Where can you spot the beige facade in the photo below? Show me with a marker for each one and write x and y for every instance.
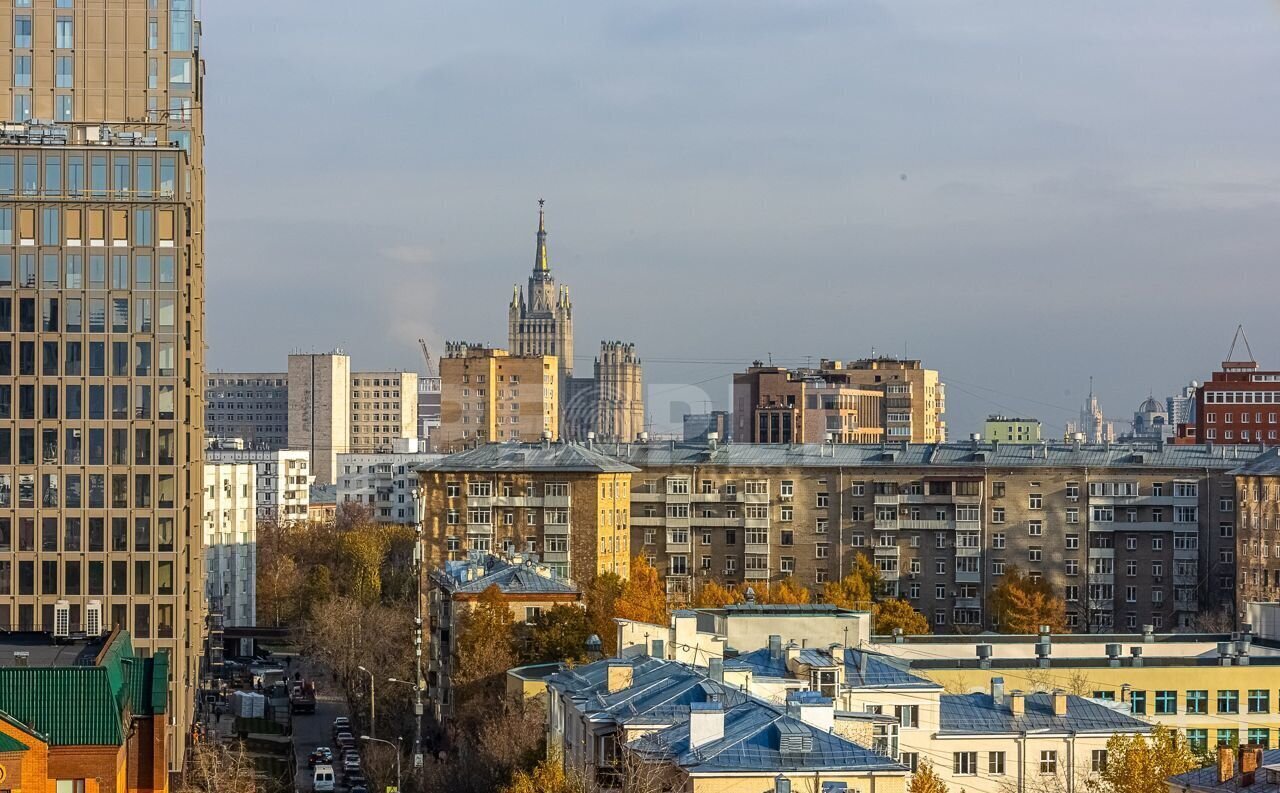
(488, 395)
(1256, 502)
(540, 322)
(384, 409)
(861, 401)
(102, 277)
(619, 393)
(320, 409)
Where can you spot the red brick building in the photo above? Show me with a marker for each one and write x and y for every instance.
(1239, 404)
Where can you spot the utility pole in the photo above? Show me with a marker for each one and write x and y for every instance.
(420, 683)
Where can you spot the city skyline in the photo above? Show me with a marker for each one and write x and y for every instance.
(1032, 168)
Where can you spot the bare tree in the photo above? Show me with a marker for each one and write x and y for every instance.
(213, 768)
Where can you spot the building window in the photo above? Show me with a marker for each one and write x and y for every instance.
(1229, 701)
(1035, 501)
(964, 763)
(1098, 761)
(1197, 702)
(1198, 740)
(1048, 761)
(1260, 736)
(995, 763)
(1167, 703)
(1228, 737)
(1259, 700)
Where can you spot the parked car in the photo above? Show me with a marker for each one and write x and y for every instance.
(350, 762)
(322, 779)
(345, 740)
(323, 755)
(341, 724)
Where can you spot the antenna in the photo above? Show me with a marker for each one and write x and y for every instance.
(1240, 336)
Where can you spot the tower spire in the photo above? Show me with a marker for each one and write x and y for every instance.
(540, 264)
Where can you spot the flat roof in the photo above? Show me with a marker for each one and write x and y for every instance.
(43, 652)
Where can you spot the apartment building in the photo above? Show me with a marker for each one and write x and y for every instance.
(568, 504)
(230, 541)
(1257, 502)
(777, 405)
(384, 410)
(428, 407)
(1011, 429)
(1239, 404)
(526, 586)
(489, 395)
(385, 483)
(252, 406)
(320, 409)
(281, 480)
(101, 326)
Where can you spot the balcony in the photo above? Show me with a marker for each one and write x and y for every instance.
(648, 520)
(890, 575)
(712, 523)
(557, 501)
(969, 525)
(968, 576)
(1140, 525)
(757, 498)
(757, 548)
(1186, 553)
(705, 498)
(887, 551)
(885, 524)
(968, 603)
(755, 523)
(887, 500)
(757, 575)
(928, 525)
(641, 496)
(676, 546)
(968, 551)
(556, 528)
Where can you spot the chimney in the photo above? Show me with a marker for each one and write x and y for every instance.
(1059, 702)
(1226, 764)
(715, 669)
(997, 691)
(1043, 648)
(897, 635)
(984, 656)
(1126, 693)
(620, 676)
(1224, 653)
(706, 723)
(1250, 762)
(775, 647)
(792, 653)
(1017, 703)
(1136, 652)
(1148, 634)
(813, 709)
(1113, 655)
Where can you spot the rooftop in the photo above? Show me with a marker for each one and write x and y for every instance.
(514, 576)
(861, 669)
(1206, 779)
(614, 457)
(966, 714)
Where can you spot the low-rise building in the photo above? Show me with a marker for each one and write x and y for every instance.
(1252, 768)
(82, 715)
(322, 503)
(451, 589)
(1011, 429)
(231, 541)
(385, 483)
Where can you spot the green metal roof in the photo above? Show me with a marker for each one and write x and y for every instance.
(10, 744)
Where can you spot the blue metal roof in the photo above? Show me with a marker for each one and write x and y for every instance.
(1207, 778)
(660, 691)
(568, 457)
(880, 671)
(752, 741)
(759, 662)
(976, 713)
(525, 577)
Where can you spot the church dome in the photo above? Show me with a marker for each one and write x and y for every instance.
(1151, 405)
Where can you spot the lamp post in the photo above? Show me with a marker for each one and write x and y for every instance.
(420, 683)
(373, 704)
(395, 746)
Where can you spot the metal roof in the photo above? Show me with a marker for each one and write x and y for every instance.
(660, 691)
(753, 740)
(962, 455)
(566, 457)
(10, 744)
(1267, 463)
(880, 672)
(966, 714)
(476, 574)
(1207, 778)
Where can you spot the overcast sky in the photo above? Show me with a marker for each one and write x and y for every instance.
(1021, 194)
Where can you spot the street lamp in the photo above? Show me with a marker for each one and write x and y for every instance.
(395, 746)
(373, 703)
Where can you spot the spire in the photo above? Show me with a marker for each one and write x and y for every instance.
(540, 258)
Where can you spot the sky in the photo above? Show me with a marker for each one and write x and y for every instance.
(1022, 195)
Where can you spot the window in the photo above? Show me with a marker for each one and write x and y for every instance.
(1034, 554)
(997, 514)
(1098, 761)
(1138, 703)
(1229, 701)
(1260, 736)
(1197, 702)
(22, 71)
(1259, 700)
(1073, 542)
(964, 763)
(997, 541)
(1198, 740)
(22, 32)
(1048, 761)
(995, 763)
(65, 33)
(1035, 528)
(1229, 736)
(1035, 501)
(1167, 703)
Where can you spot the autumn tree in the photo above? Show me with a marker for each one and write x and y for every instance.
(278, 585)
(1022, 604)
(484, 651)
(602, 597)
(360, 554)
(1142, 764)
(926, 780)
(559, 634)
(643, 598)
(214, 768)
(787, 593)
(548, 776)
(898, 613)
(856, 590)
(713, 594)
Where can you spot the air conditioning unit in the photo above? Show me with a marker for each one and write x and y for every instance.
(61, 619)
(93, 618)
(1073, 499)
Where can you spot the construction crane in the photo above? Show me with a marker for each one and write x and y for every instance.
(426, 356)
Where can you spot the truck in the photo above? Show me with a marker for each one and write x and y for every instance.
(302, 698)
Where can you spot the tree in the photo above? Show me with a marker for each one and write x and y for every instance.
(857, 590)
(643, 598)
(360, 553)
(214, 768)
(787, 593)
(898, 613)
(559, 634)
(317, 588)
(1022, 605)
(1138, 764)
(926, 780)
(548, 776)
(484, 651)
(713, 594)
(278, 581)
(602, 598)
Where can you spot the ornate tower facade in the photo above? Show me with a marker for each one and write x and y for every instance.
(619, 392)
(541, 321)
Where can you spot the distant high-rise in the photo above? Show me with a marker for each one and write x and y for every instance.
(320, 409)
(619, 392)
(1092, 423)
(488, 395)
(102, 328)
(541, 322)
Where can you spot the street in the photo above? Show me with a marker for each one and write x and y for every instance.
(316, 729)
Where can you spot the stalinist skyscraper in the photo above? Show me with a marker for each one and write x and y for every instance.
(542, 322)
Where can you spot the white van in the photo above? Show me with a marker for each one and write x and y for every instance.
(322, 779)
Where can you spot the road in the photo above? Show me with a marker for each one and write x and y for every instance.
(316, 729)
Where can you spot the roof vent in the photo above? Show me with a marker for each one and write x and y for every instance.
(794, 738)
(984, 656)
(21, 659)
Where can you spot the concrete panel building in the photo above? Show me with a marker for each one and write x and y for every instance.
(384, 482)
(251, 406)
(281, 480)
(384, 410)
(231, 541)
(102, 344)
(320, 409)
(488, 395)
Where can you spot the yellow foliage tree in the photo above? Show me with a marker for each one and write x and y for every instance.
(787, 593)
(1141, 764)
(857, 590)
(713, 594)
(898, 613)
(926, 780)
(602, 606)
(643, 599)
(548, 776)
(1022, 605)
(360, 553)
